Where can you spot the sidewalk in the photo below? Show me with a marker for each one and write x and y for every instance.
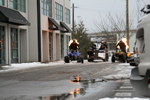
(19, 66)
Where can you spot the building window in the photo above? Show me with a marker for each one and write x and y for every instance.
(19, 5)
(62, 46)
(58, 12)
(2, 45)
(47, 7)
(2, 2)
(14, 45)
(67, 42)
(67, 15)
(50, 47)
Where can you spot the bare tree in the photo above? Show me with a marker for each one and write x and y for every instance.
(113, 25)
(140, 5)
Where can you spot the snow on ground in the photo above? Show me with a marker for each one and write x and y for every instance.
(124, 72)
(19, 66)
(123, 69)
(124, 99)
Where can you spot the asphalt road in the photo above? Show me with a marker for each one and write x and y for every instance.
(96, 69)
(53, 83)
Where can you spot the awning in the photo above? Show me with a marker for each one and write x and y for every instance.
(12, 17)
(57, 26)
(68, 30)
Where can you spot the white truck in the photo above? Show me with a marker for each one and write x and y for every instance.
(140, 75)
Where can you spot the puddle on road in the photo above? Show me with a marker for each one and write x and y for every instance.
(88, 86)
(66, 96)
(72, 94)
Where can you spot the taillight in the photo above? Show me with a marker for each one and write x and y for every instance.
(124, 54)
(148, 80)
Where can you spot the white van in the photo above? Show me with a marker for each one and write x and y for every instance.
(140, 75)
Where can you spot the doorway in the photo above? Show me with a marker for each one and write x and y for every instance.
(2, 45)
(14, 45)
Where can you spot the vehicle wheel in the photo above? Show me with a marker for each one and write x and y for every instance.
(104, 60)
(82, 60)
(106, 57)
(132, 64)
(124, 59)
(66, 59)
(113, 59)
(78, 59)
(127, 61)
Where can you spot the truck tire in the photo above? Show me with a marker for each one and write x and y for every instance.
(66, 59)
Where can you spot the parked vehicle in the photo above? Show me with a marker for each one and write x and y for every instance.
(140, 75)
(97, 51)
(134, 58)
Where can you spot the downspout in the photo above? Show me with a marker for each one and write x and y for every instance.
(39, 28)
(9, 37)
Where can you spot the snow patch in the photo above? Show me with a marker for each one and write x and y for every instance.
(124, 99)
(124, 72)
(18, 66)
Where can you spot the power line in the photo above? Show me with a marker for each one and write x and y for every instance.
(98, 3)
(112, 6)
(96, 10)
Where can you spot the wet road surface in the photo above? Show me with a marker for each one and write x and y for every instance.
(53, 83)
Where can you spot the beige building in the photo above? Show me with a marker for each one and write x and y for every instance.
(34, 30)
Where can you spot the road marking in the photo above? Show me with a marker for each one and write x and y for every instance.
(123, 94)
(124, 90)
(124, 87)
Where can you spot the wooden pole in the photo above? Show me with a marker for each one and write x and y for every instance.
(127, 22)
(72, 18)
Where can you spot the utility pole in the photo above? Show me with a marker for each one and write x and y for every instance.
(72, 18)
(127, 22)
(138, 10)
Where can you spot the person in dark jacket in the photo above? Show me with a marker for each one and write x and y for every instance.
(74, 45)
(122, 46)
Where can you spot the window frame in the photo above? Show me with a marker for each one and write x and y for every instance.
(19, 5)
(2, 3)
(67, 15)
(58, 12)
(46, 6)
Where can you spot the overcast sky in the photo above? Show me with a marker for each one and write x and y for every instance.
(90, 11)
